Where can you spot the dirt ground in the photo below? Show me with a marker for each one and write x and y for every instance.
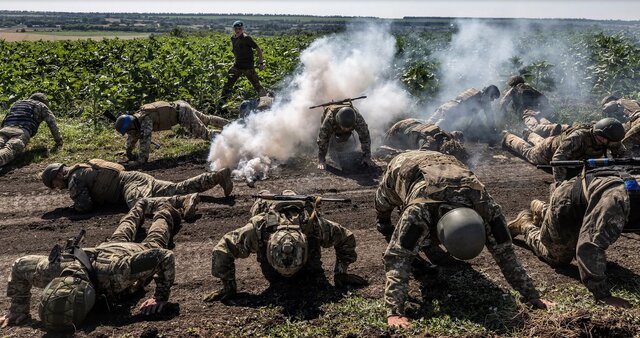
(33, 219)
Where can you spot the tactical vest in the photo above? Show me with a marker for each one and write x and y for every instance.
(163, 114)
(580, 200)
(427, 128)
(106, 186)
(22, 115)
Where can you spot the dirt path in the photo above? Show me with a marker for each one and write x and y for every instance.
(32, 219)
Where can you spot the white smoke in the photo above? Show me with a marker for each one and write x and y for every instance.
(357, 62)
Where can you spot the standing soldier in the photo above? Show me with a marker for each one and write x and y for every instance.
(287, 237)
(339, 121)
(582, 219)
(414, 134)
(99, 182)
(74, 278)
(243, 46)
(576, 143)
(21, 124)
(441, 201)
(163, 115)
(464, 112)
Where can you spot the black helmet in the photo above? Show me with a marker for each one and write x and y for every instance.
(514, 80)
(41, 97)
(238, 23)
(609, 128)
(491, 91)
(346, 118)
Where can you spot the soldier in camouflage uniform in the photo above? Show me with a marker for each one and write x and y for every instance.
(576, 143)
(465, 111)
(161, 115)
(624, 110)
(260, 104)
(425, 185)
(541, 125)
(115, 269)
(21, 124)
(523, 96)
(287, 237)
(413, 134)
(99, 182)
(582, 219)
(338, 123)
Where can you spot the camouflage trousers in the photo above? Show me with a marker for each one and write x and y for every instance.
(13, 141)
(234, 74)
(540, 125)
(159, 234)
(632, 137)
(540, 153)
(197, 122)
(137, 185)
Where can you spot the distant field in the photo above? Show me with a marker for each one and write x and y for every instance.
(10, 35)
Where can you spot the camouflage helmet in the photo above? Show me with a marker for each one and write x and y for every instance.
(67, 300)
(41, 97)
(462, 233)
(123, 122)
(608, 99)
(50, 173)
(491, 92)
(346, 118)
(454, 148)
(609, 128)
(287, 249)
(515, 80)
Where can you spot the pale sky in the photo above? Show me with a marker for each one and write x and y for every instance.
(589, 9)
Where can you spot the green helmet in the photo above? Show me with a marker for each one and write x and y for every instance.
(66, 300)
(609, 128)
(123, 122)
(462, 232)
(39, 97)
(346, 118)
(238, 23)
(287, 249)
(50, 172)
(515, 80)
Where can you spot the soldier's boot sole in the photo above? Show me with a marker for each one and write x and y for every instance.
(520, 223)
(190, 206)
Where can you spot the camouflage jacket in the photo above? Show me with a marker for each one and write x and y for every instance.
(120, 267)
(151, 117)
(330, 127)
(28, 114)
(95, 183)
(580, 144)
(522, 97)
(419, 183)
(469, 102)
(412, 134)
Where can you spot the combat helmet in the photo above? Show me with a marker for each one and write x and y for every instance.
(50, 173)
(346, 118)
(515, 80)
(608, 99)
(491, 92)
(462, 233)
(238, 23)
(609, 128)
(67, 300)
(123, 122)
(287, 249)
(40, 97)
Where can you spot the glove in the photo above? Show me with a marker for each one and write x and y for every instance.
(346, 279)
(227, 291)
(366, 160)
(384, 226)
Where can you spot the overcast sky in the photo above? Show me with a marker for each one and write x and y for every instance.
(590, 9)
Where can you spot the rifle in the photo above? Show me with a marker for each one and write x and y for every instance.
(109, 116)
(348, 100)
(69, 247)
(592, 163)
(306, 198)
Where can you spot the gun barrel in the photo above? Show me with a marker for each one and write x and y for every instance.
(338, 102)
(310, 198)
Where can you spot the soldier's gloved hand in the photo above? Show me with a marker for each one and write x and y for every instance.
(227, 291)
(366, 160)
(346, 279)
(13, 318)
(384, 226)
(151, 306)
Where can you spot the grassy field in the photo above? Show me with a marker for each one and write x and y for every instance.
(11, 35)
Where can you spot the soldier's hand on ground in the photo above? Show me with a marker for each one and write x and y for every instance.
(398, 322)
(13, 318)
(348, 279)
(540, 303)
(221, 294)
(617, 302)
(368, 161)
(151, 306)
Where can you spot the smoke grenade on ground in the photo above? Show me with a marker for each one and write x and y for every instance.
(356, 62)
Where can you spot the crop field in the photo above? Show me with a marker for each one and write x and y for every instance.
(12, 36)
(86, 77)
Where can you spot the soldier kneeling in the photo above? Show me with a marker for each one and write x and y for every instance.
(287, 237)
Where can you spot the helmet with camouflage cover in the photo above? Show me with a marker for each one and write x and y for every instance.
(67, 300)
(462, 233)
(454, 148)
(515, 80)
(490, 92)
(287, 249)
(50, 173)
(609, 128)
(608, 99)
(346, 118)
(41, 97)
(123, 123)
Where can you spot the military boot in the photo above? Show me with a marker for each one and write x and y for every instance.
(537, 211)
(226, 182)
(519, 225)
